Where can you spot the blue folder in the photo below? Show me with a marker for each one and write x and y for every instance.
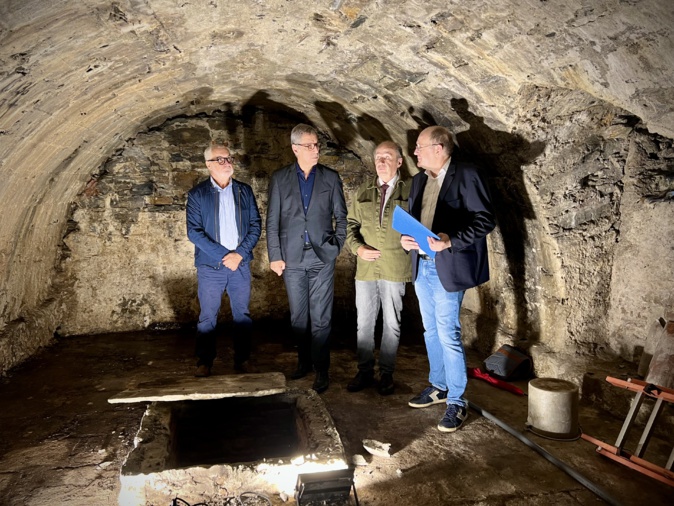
(407, 224)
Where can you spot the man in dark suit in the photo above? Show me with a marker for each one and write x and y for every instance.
(451, 199)
(303, 245)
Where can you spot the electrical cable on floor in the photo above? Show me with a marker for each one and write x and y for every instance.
(548, 456)
(185, 503)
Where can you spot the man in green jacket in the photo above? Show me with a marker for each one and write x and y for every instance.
(383, 267)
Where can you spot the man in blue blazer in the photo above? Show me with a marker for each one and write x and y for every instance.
(452, 200)
(224, 224)
(303, 244)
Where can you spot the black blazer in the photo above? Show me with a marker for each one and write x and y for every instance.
(286, 220)
(463, 212)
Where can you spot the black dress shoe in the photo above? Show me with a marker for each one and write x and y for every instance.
(321, 382)
(363, 379)
(246, 367)
(203, 371)
(386, 384)
(301, 371)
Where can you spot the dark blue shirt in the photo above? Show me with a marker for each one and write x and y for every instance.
(306, 188)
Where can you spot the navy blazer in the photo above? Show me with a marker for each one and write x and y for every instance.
(463, 212)
(203, 228)
(286, 220)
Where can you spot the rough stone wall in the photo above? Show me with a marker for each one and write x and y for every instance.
(557, 183)
(601, 182)
(78, 79)
(128, 252)
(643, 266)
(581, 190)
(578, 179)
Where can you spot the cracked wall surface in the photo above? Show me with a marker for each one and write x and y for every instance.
(571, 103)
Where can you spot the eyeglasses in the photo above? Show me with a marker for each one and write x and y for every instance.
(309, 147)
(419, 148)
(222, 159)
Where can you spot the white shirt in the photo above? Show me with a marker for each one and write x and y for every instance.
(229, 235)
(391, 186)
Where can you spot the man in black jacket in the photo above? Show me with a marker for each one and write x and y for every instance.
(451, 199)
(303, 245)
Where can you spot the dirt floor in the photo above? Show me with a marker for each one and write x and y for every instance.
(62, 443)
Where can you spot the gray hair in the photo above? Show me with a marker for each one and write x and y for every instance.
(209, 149)
(299, 131)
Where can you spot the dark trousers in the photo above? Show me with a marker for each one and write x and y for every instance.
(212, 284)
(310, 288)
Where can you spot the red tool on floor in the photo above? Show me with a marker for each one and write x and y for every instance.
(635, 460)
(476, 372)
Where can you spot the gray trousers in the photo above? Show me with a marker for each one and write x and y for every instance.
(370, 297)
(310, 288)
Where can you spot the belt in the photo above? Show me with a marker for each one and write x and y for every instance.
(423, 256)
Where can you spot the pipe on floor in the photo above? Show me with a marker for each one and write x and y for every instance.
(599, 492)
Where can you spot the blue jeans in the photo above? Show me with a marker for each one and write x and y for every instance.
(370, 296)
(440, 312)
(212, 284)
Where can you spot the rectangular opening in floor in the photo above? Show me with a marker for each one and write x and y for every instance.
(202, 441)
(233, 430)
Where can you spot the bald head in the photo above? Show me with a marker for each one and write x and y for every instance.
(434, 147)
(441, 136)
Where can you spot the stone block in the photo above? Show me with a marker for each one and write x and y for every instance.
(159, 200)
(217, 387)
(142, 189)
(185, 181)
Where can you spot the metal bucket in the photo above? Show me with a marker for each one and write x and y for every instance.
(553, 409)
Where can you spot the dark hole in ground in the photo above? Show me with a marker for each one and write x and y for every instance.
(229, 431)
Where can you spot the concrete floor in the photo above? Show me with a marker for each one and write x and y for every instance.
(62, 443)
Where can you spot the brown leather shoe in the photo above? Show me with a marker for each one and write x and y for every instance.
(202, 371)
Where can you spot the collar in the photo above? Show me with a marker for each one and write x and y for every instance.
(376, 182)
(391, 183)
(217, 186)
(299, 171)
(443, 171)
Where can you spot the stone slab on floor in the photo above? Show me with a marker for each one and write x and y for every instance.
(213, 387)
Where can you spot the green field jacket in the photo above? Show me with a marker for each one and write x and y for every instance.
(363, 228)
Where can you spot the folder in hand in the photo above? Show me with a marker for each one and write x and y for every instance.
(407, 224)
